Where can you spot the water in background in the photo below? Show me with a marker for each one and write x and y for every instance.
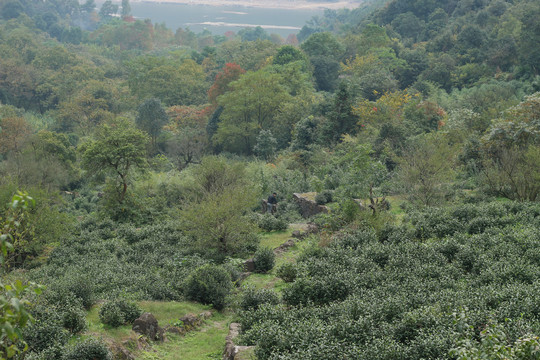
(220, 19)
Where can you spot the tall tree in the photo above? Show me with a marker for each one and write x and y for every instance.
(151, 117)
(116, 149)
(251, 105)
(126, 8)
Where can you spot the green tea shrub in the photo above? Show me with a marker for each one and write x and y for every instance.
(287, 272)
(253, 298)
(89, 349)
(209, 284)
(45, 332)
(324, 197)
(264, 260)
(74, 319)
(119, 312)
(268, 222)
(111, 315)
(392, 293)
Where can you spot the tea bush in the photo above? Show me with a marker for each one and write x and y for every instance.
(119, 312)
(209, 284)
(264, 260)
(324, 197)
(89, 349)
(287, 272)
(394, 293)
(268, 222)
(253, 298)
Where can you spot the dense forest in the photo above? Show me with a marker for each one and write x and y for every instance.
(133, 161)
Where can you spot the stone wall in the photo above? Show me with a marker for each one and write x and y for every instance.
(307, 206)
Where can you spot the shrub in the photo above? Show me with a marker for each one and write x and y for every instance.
(264, 260)
(111, 314)
(324, 197)
(209, 284)
(268, 222)
(119, 312)
(287, 272)
(253, 298)
(74, 319)
(89, 349)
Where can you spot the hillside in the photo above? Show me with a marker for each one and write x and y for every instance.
(400, 140)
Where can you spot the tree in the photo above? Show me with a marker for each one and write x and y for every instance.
(126, 8)
(230, 72)
(253, 102)
(425, 168)
(107, 10)
(14, 315)
(151, 117)
(188, 128)
(266, 144)
(341, 118)
(216, 219)
(117, 148)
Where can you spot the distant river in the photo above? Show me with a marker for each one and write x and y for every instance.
(220, 19)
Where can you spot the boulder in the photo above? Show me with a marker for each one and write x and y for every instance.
(147, 325)
(121, 353)
(307, 206)
(284, 247)
(297, 234)
(190, 321)
(249, 265)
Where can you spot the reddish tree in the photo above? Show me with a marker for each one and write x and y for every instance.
(228, 74)
(13, 131)
(291, 40)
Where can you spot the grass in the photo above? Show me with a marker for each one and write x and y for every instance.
(210, 339)
(204, 344)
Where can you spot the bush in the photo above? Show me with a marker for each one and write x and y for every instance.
(324, 197)
(264, 260)
(253, 298)
(119, 312)
(89, 349)
(268, 222)
(209, 284)
(74, 319)
(287, 272)
(111, 314)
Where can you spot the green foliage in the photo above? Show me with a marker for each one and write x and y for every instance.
(253, 298)
(268, 222)
(287, 272)
(14, 314)
(494, 343)
(217, 219)
(117, 149)
(324, 197)
(151, 117)
(209, 284)
(119, 312)
(89, 349)
(372, 296)
(264, 260)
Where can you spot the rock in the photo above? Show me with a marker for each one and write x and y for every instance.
(297, 234)
(147, 325)
(312, 228)
(284, 247)
(174, 330)
(230, 349)
(121, 353)
(190, 321)
(249, 265)
(308, 207)
(205, 315)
